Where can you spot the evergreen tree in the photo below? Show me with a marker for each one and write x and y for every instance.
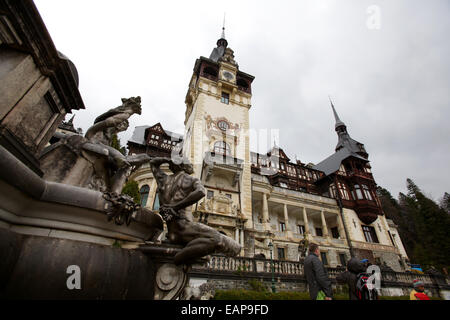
(445, 202)
(423, 225)
(432, 225)
(131, 188)
(115, 143)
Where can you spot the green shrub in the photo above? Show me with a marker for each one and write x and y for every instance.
(257, 285)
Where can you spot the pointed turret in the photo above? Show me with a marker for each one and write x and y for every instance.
(339, 123)
(344, 139)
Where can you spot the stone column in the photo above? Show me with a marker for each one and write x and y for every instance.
(340, 226)
(286, 220)
(305, 221)
(265, 210)
(241, 238)
(236, 235)
(324, 225)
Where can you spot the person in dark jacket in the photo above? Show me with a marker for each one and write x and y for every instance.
(316, 275)
(349, 277)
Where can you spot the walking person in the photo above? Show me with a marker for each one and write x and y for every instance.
(350, 277)
(318, 281)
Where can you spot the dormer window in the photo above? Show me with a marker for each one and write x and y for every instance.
(225, 98)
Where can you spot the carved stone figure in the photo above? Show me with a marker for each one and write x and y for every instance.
(177, 192)
(90, 161)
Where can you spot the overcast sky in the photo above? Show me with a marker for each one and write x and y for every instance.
(386, 68)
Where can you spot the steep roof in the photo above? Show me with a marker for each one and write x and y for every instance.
(333, 162)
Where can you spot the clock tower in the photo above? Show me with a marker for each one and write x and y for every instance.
(217, 130)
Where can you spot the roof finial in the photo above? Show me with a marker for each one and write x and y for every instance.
(223, 27)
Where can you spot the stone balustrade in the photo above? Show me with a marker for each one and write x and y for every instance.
(219, 264)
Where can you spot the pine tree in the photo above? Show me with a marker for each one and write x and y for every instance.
(423, 225)
(445, 202)
(115, 143)
(431, 223)
(131, 188)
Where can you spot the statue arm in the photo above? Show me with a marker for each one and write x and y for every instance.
(107, 123)
(138, 159)
(192, 198)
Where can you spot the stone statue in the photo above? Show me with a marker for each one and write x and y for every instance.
(90, 161)
(177, 192)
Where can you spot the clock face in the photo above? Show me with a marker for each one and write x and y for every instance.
(228, 75)
(223, 125)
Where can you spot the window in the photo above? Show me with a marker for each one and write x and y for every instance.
(281, 255)
(156, 202)
(282, 226)
(333, 191)
(335, 232)
(225, 98)
(359, 195)
(319, 232)
(343, 259)
(344, 191)
(145, 189)
(263, 161)
(291, 170)
(228, 195)
(254, 158)
(323, 255)
(283, 185)
(221, 147)
(367, 192)
(392, 238)
(301, 229)
(370, 234)
(209, 194)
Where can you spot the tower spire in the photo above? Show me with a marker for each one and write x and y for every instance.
(223, 27)
(339, 123)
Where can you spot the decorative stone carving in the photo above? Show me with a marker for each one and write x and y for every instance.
(170, 281)
(228, 56)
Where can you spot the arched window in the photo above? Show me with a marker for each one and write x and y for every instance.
(221, 147)
(156, 202)
(145, 189)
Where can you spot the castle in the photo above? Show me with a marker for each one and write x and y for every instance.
(271, 205)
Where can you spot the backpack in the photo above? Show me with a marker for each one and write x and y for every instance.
(364, 289)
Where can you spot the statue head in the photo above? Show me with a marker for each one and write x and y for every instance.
(133, 104)
(181, 164)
